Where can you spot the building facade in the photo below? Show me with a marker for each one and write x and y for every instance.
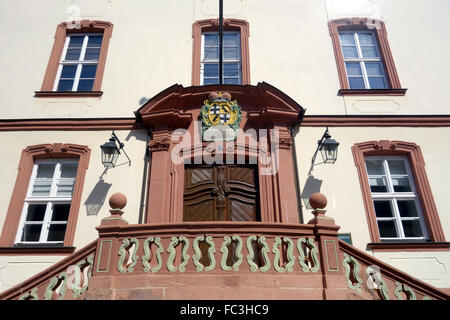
(217, 186)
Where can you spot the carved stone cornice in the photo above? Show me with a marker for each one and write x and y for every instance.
(162, 144)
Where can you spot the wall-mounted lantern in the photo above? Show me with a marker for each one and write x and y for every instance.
(111, 152)
(328, 149)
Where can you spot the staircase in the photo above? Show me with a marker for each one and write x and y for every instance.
(221, 260)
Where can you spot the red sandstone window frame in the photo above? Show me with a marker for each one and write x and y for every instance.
(361, 24)
(201, 26)
(62, 30)
(416, 161)
(27, 160)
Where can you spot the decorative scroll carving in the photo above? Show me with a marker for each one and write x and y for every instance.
(251, 253)
(265, 254)
(353, 280)
(171, 250)
(56, 282)
(407, 290)
(32, 295)
(123, 253)
(79, 270)
(211, 252)
(184, 254)
(224, 250)
(377, 283)
(290, 254)
(276, 251)
(198, 254)
(312, 256)
(147, 254)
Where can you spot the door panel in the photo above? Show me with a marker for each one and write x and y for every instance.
(221, 193)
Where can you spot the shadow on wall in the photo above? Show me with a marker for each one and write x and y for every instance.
(97, 197)
(312, 185)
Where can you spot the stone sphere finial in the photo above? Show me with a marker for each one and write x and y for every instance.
(318, 201)
(117, 201)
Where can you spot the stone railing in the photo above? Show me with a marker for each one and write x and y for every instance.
(221, 260)
(65, 280)
(371, 278)
(208, 247)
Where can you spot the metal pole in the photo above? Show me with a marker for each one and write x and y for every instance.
(220, 41)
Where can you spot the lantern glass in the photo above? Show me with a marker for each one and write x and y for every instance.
(329, 149)
(110, 154)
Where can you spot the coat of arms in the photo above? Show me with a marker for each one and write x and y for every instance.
(220, 118)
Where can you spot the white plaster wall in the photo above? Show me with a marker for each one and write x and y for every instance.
(290, 48)
(339, 182)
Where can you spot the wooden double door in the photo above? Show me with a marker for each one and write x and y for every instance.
(221, 193)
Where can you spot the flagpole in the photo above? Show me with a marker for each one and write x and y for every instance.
(220, 41)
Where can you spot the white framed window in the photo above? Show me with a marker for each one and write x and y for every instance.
(232, 64)
(79, 61)
(395, 199)
(47, 203)
(362, 59)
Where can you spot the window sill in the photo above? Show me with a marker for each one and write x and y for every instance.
(408, 246)
(35, 250)
(68, 93)
(372, 92)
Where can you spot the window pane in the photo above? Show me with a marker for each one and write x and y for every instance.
(61, 212)
(212, 39)
(211, 53)
(401, 184)
(68, 71)
(230, 39)
(92, 54)
(230, 53)
(56, 232)
(76, 41)
(407, 208)
(45, 170)
(73, 54)
(349, 52)
(65, 85)
(383, 209)
(397, 167)
(347, 38)
(36, 212)
(31, 232)
(369, 52)
(412, 228)
(374, 69)
(353, 68)
(387, 229)
(377, 83)
(65, 188)
(365, 39)
(356, 83)
(88, 71)
(69, 170)
(378, 184)
(231, 70)
(85, 85)
(95, 41)
(231, 81)
(211, 70)
(375, 167)
(41, 188)
(211, 81)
